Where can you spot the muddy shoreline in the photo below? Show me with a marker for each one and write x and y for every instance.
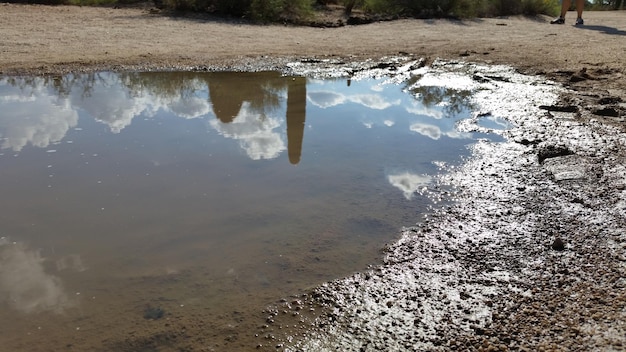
(530, 257)
(504, 280)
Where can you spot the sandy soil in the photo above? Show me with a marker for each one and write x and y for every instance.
(51, 39)
(589, 60)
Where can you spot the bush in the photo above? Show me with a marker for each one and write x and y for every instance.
(296, 11)
(285, 10)
(461, 8)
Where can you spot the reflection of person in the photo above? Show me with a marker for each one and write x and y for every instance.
(580, 5)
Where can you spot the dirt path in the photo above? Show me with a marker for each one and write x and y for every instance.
(50, 39)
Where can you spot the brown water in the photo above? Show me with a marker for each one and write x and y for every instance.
(207, 195)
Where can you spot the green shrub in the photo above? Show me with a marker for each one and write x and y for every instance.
(461, 8)
(385, 7)
(297, 10)
(280, 10)
(232, 7)
(536, 7)
(266, 10)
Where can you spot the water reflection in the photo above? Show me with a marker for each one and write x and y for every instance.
(453, 96)
(409, 183)
(180, 190)
(296, 118)
(33, 115)
(42, 110)
(24, 283)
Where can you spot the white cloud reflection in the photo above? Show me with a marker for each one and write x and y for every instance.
(435, 132)
(417, 108)
(188, 108)
(255, 133)
(409, 183)
(24, 284)
(39, 119)
(327, 99)
(114, 106)
(428, 130)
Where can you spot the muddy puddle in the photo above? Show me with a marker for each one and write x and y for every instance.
(528, 257)
(237, 211)
(159, 211)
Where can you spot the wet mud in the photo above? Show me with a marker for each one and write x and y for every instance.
(530, 256)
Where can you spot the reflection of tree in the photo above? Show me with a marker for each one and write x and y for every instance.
(296, 115)
(228, 91)
(259, 92)
(454, 101)
(117, 98)
(61, 85)
(167, 85)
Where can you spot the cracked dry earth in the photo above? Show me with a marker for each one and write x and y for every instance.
(530, 257)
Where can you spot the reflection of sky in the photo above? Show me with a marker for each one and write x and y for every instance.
(38, 118)
(113, 105)
(416, 108)
(434, 132)
(409, 183)
(256, 134)
(41, 118)
(327, 99)
(401, 110)
(24, 284)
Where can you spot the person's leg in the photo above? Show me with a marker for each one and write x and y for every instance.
(580, 5)
(565, 4)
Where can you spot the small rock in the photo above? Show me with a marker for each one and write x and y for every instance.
(153, 313)
(558, 244)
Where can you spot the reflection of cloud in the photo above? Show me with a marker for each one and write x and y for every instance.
(71, 262)
(431, 131)
(189, 108)
(388, 123)
(409, 183)
(458, 135)
(372, 101)
(326, 99)
(256, 134)
(39, 119)
(112, 105)
(417, 108)
(24, 284)
(377, 88)
(434, 132)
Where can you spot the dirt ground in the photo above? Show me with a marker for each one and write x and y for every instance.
(590, 61)
(43, 39)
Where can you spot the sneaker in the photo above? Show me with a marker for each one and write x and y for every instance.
(559, 20)
(579, 22)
